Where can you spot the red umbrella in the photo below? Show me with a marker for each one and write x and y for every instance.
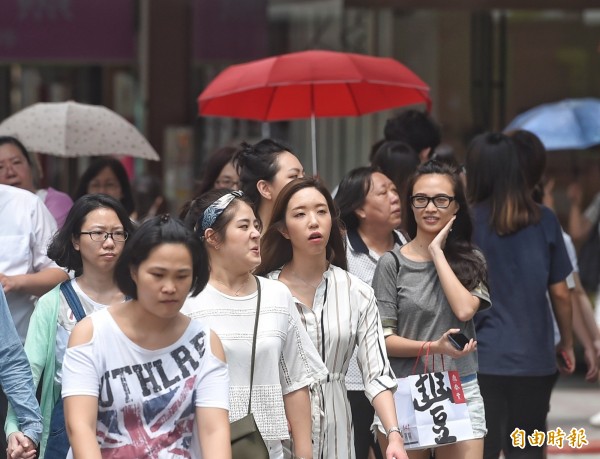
(311, 84)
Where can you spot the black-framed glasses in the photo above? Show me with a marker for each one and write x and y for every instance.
(100, 236)
(441, 201)
(227, 183)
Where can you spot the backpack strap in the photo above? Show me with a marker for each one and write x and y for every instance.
(72, 300)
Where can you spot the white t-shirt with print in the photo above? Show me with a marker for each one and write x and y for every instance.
(146, 398)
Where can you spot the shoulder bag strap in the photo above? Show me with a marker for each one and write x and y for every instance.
(72, 300)
(254, 341)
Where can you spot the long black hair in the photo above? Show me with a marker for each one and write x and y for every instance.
(495, 175)
(467, 263)
(352, 193)
(258, 162)
(215, 164)
(118, 169)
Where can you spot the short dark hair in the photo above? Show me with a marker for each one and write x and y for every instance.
(156, 231)
(193, 212)
(118, 169)
(277, 250)
(398, 161)
(61, 248)
(33, 165)
(351, 194)
(415, 128)
(215, 164)
(258, 162)
(7, 139)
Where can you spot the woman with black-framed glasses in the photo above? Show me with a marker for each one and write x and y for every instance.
(89, 244)
(432, 287)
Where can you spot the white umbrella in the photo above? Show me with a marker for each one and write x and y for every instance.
(70, 129)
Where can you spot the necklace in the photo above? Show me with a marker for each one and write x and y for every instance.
(303, 281)
(236, 292)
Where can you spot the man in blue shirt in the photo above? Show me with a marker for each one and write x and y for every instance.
(17, 384)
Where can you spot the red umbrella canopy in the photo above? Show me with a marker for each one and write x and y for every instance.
(311, 83)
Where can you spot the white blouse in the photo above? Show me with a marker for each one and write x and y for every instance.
(285, 358)
(344, 317)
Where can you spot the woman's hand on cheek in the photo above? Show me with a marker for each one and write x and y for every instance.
(439, 241)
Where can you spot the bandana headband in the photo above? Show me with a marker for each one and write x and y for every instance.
(212, 212)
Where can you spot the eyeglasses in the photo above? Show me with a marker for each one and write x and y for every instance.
(97, 187)
(227, 183)
(100, 236)
(441, 201)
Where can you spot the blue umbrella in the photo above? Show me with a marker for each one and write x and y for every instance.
(565, 125)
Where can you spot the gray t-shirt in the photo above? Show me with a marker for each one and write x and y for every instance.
(412, 302)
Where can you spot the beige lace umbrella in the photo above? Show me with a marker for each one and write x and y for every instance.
(71, 129)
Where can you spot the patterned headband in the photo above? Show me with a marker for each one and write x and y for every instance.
(212, 212)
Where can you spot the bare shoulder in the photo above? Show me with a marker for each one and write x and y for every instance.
(82, 333)
(217, 347)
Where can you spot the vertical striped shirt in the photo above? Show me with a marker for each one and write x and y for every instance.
(344, 316)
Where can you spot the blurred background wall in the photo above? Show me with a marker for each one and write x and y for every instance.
(485, 60)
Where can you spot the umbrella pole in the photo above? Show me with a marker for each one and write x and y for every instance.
(313, 134)
(265, 130)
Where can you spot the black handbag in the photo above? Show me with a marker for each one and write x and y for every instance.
(246, 440)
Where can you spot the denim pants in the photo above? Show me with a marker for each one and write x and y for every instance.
(58, 441)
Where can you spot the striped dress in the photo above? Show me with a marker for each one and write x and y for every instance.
(344, 316)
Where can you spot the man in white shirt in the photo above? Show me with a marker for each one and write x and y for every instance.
(26, 272)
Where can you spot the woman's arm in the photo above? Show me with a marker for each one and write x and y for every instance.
(213, 432)
(297, 410)
(37, 284)
(579, 225)
(584, 337)
(398, 346)
(463, 303)
(385, 408)
(213, 423)
(81, 411)
(587, 312)
(563, 312)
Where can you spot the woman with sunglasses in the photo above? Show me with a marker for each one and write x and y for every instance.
(304, 249)
(286, 362)
(89, 244)
(432, 287)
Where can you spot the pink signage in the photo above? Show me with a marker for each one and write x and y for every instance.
(229, 29)
(67, 30)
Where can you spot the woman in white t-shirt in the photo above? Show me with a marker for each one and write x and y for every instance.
(140, 379)
(286, 362)
(89, 244)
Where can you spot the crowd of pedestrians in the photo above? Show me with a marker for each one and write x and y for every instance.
(146, 335)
